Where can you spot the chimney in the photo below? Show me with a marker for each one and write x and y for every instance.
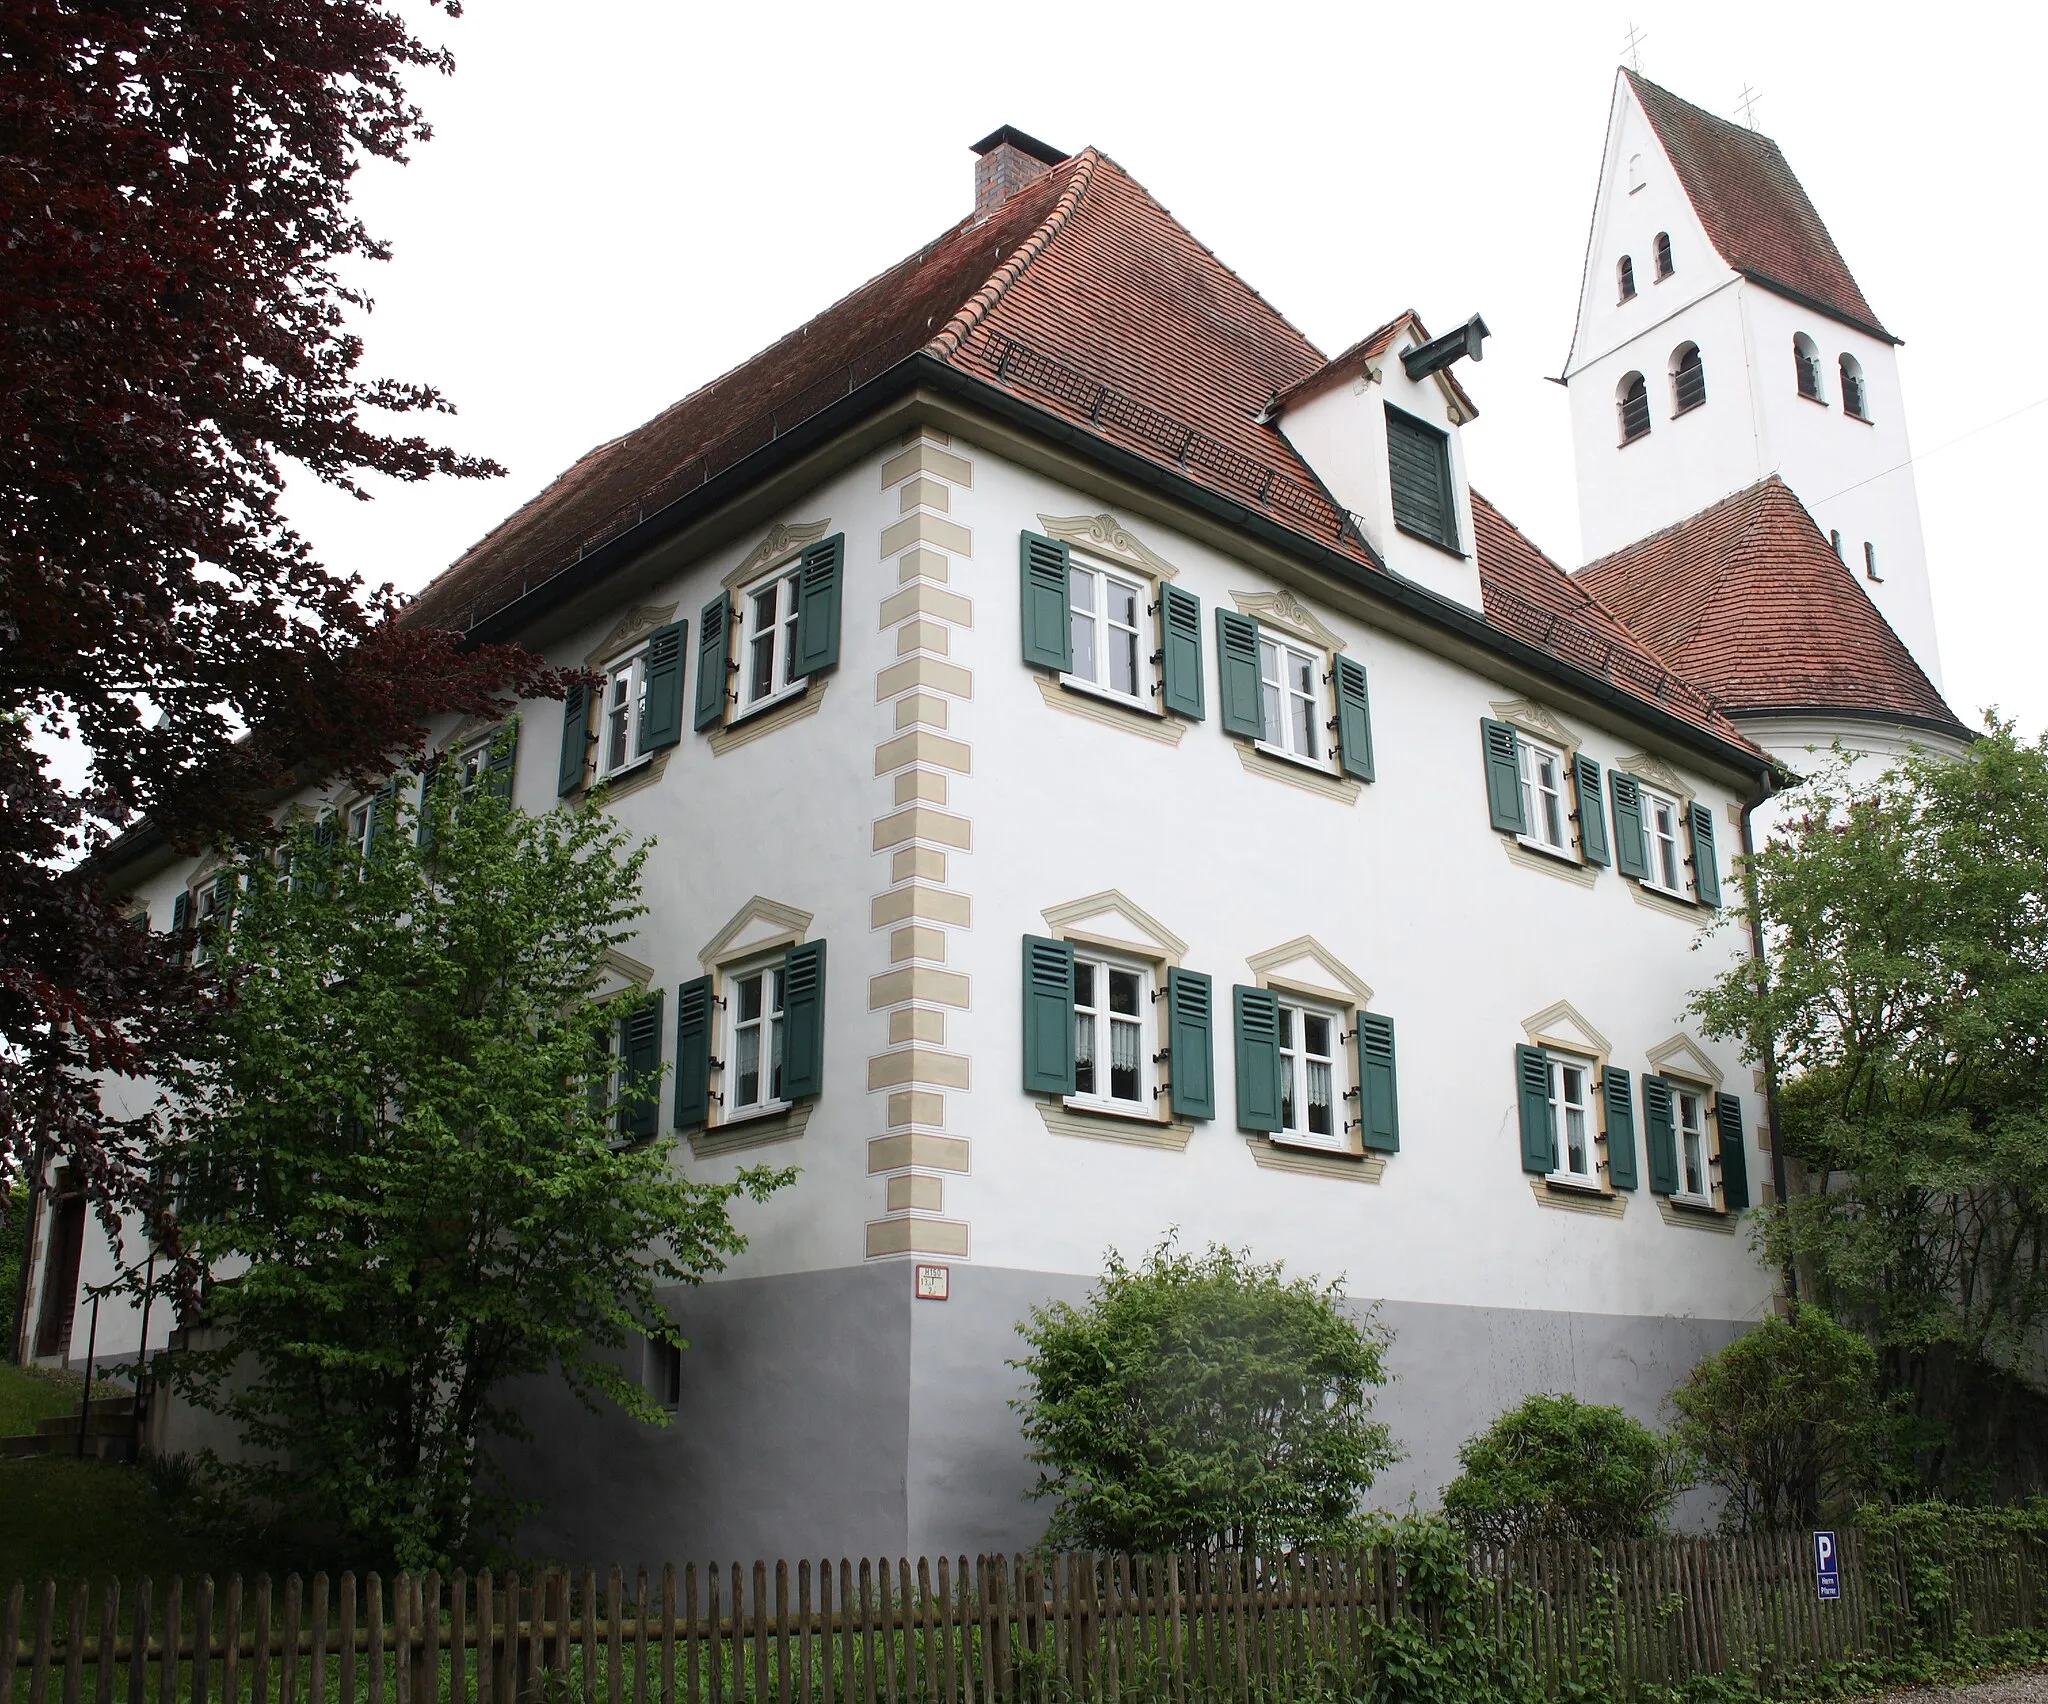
(1008, 160)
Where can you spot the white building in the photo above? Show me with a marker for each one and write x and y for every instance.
(1219, 818)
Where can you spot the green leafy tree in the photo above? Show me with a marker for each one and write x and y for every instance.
(1203, 1401)
(1559, 1468)
(406, 1175)
(1786, 1422)
(1902, 1004)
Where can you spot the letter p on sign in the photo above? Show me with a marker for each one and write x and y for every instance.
(1827, 1566)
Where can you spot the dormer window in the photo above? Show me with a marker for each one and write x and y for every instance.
(1664, 266)
(1854, 403)
(1419, 467)
(1636, 180)
(1688, 378)
(1633, 399)
(1625, 279)
(1806, 364)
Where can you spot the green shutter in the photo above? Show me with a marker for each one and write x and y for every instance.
(1660, 1135)
(1190, 1042)
(664, 711)
(713, 644)
(640, 1055)
(1592, 818)
(575, 759)
(1379, 1106)
(803, 1021)
(423, 827)
(1257, 1014)
(1048, 639)
(694, 1010)
(1734, 1154)
(1237, 674)
(1419, 472)
(820, 572)
(1180, 652)
(1532, 1089)
(181, 912)
(1631, 850)
(1503, 776)
(1621, 1129)
(1354, 720)
(1706, 867)
(383, 811)
(1048, 1016)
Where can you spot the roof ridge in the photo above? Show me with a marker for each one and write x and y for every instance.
(977, 307)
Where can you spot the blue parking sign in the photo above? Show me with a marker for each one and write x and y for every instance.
(1827, 1566)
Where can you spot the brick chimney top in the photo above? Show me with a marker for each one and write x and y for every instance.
(1008, 161)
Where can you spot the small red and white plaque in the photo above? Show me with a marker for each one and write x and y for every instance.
(934, 1283)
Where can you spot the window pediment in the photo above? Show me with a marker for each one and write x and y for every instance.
(1655, 772)
(1306, 966)
(1113, 920)
(635, 624)
(761, 925)
(1539, 722)
(1683, 1057)
(1282, 609)
(1104, 535)
(622, 974)
(1564, 1028)
(781, 541)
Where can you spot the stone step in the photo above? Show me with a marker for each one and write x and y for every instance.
(99, 1446)
(99, 1421)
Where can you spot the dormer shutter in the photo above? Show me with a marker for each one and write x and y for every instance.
(1419, 469)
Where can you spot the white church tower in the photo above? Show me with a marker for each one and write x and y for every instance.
(1721, 340)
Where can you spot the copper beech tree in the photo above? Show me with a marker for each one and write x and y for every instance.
(176, 234)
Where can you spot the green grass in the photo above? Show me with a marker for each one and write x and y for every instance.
(30, 1394)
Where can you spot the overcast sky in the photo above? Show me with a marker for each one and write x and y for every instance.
(624, 198)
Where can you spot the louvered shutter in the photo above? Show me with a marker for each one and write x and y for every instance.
(1621, 1129)
(1180, 652)
(1734, 1154)
(1660, 1135)
(664, 712)
(819, 576)
(1502, 752)
(383, 809)
(1532, 1091)
(1592, 818)
(423, 826)
(1706, 866)
(1048, 639)
(1190, 1042)
(640, 1054)
(694, 1013)
(1257, 1014)
(502, 766)
(1631, 849)
(1237, 674)
(181, 912)
(803, 1021)
(1419, 470)
(575, 758)
(1048, 1016)
(1354, 719)
(1379, 1106)
(714, 642)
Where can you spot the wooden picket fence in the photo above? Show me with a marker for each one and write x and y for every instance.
(993, 1630)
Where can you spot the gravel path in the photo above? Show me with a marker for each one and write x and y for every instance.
(2026, 1686)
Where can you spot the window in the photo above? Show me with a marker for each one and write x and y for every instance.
(622, 725)
(1419, 468)
(204, 909)
(1545, 810)
(1633, 399)
(1112, 1064)
(1806, 364)
(1288, 709)
(1104, 618)
(1690, 1114)
(1636, 179)
(1664, 266)
(1571, 1118)
(756, 1006)
(1624, 278)
(1835, 539)
(1870, 562)
(1688, 378)
(1663, 817)
(362, 825)
(768, 639)
(470, 764)
(1311, 1071)
(663, 1373)
(1853, 403)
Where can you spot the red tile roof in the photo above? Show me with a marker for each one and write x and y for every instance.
(1085, 298)
(1747, 598)
(1755, 212)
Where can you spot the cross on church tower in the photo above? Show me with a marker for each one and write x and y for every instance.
(1748, 104)
(1633, 47)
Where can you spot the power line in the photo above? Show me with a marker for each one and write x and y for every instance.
(1938, 448)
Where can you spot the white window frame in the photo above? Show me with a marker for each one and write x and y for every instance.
(1704, 1129)
(203, 909)
(1528, 753)
(772, 1026)
(1555, 1066)
(1145, 594)
(1655, 844)
(358, 819)
(1289, 653)
(626, 672)
(1295, 1009)
(778, 633)
(1104, 963)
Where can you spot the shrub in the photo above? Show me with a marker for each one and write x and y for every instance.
(1557, 1467)
(1200, 1401)
(1786, 1421)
